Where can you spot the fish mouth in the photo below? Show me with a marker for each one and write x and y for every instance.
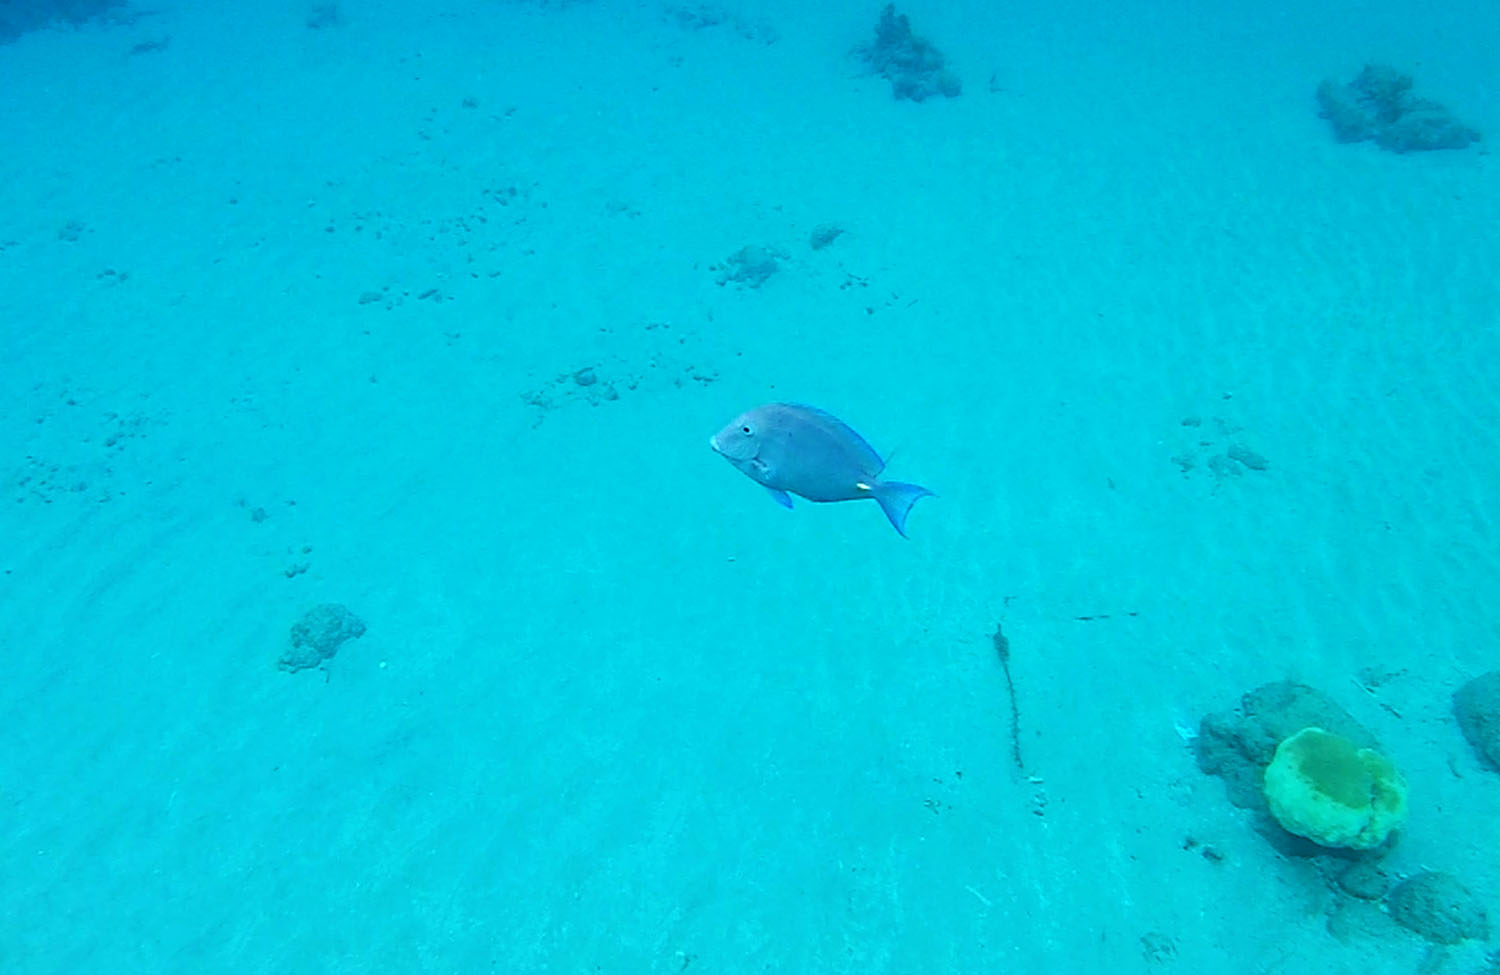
(733, 447)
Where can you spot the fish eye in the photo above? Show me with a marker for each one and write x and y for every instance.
(746, 430)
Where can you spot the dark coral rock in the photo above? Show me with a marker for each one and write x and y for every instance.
(317, 636)
(915, 68)
(1384, 89)
(1423, 127)
(1378, 105)
(751, 266)
(1237, 745)
(1476, 705)
(18, 17)
(1439, 908)
(1351, 121)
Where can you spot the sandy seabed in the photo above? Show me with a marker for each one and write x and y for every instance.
(296, 316)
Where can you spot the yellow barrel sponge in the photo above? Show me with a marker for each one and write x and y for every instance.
(1320, 786)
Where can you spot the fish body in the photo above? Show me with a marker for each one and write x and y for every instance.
(794, 449)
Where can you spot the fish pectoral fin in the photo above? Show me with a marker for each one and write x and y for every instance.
(780, 496)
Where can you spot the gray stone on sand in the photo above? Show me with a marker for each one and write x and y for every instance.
(1476, 705)
(1439, 908)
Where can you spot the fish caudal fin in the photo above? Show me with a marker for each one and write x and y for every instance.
(896, 500)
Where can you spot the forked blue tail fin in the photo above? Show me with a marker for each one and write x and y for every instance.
(896, 500)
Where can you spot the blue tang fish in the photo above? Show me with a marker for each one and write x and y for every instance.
(794, 449)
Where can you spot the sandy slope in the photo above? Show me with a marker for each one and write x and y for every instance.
(615, 712)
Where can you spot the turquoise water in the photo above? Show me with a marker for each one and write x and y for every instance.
(430, 311)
